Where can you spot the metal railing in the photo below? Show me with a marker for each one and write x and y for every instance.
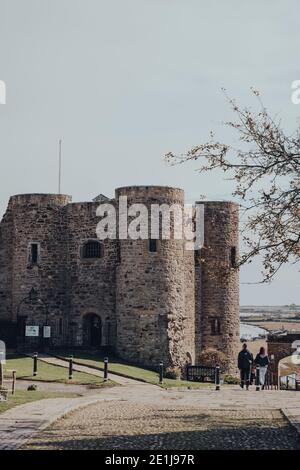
(271, 380)
(201, 374)
(289, 382)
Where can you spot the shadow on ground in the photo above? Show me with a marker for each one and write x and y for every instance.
(223, 438)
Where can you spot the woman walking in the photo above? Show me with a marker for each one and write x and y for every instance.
(262, 361)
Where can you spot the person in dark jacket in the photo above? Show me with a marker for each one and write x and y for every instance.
(245, 360)
(262, 361)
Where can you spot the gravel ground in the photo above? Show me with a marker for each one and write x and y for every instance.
(123, 425)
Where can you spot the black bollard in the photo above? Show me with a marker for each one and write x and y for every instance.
(71, 368)
(105, 369)
(217, 378)
(257, 379)
(35, 357)
(161, 372)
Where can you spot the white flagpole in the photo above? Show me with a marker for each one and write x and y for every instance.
(59, 168)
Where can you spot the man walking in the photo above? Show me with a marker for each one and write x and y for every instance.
(245, 361)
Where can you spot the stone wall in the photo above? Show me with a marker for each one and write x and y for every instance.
(151, 315)
(218, 301)
(153, 306)
(36, 218)
(6, 268)
(89, 282)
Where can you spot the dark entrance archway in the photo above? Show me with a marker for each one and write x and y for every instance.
(21, 325)
(92, 330)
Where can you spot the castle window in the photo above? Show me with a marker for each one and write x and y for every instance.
(92, 249)
(152, 245)
(34, 253)
(233, 257)
(197, 257)
(215, 326)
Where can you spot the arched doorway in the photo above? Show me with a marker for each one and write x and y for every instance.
(189, 360)
(92, 330)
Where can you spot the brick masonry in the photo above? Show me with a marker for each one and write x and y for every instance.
(165, 305)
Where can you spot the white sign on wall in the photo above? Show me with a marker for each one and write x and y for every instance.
(31, 330)
(47, 332)
(2, 352)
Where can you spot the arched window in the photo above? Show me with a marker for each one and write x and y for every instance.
(92, 249)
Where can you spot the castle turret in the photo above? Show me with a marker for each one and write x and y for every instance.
(150, 306)
(36, 252)
(217, 288)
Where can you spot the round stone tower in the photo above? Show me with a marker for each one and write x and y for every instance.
(150, 307)
(37, 254)
(218, 306)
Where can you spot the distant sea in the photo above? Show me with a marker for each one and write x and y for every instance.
(251, 331)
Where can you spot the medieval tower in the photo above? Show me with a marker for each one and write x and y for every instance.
(147, 299)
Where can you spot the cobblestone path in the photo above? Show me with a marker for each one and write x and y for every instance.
(120, 425)
(144, 416)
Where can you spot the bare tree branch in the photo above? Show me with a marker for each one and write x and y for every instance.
(266, 170)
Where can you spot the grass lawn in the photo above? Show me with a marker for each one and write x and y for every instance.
(50, 373)
(23, 396)
(116, 365)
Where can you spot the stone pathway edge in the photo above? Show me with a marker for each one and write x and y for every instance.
(19, 442)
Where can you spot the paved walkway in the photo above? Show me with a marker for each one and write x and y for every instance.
(230, 418)
(88, 370)
(26, 422)
(293, 415)
(122, 425)
(19, 424)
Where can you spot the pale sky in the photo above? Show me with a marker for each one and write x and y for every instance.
(124, 81)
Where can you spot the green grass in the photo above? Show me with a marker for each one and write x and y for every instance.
(23, 396)
(118, 366)
(50, 373)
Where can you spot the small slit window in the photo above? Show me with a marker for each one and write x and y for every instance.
(233, 260)
(118, 253)
(152, 245)
(92, 249)
(215, 326)
(34, 253)
(197, 257)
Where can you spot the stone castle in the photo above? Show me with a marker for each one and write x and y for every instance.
(146, 300)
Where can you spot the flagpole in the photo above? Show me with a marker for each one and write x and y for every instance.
(59, 168)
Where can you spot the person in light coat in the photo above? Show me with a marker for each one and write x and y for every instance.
(262, 361)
